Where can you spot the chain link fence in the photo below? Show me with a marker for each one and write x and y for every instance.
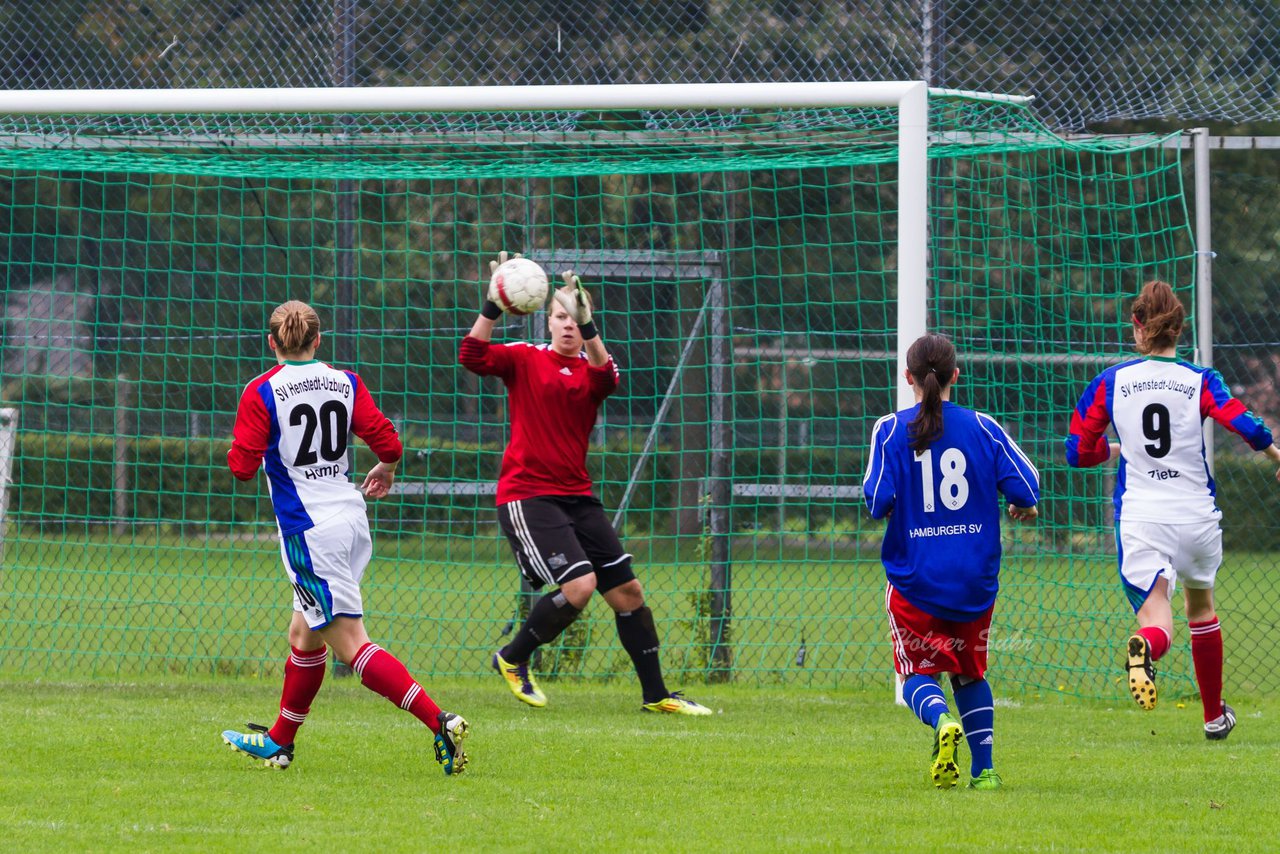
(1090, 66)
(1086, 62)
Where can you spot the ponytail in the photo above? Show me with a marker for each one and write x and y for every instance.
(932, 363)
(295, 326)
(1159, 314)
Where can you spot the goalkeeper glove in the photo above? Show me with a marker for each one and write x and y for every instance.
(577, 302)
(492, 308)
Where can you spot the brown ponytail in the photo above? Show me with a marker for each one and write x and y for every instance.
(932, 363)
(295, 326)
(1159, 314)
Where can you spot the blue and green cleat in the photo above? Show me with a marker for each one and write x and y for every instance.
(259, 746)
(449, 752)
(945, 771)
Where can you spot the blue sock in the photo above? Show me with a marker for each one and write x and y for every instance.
(925, 697)
(978, 717)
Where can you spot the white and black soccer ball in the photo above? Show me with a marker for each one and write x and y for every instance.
(519, 286)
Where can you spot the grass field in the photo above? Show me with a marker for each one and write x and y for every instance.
(119, 607)
(97, 766)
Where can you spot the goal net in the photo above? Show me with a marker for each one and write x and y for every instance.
(758, 257)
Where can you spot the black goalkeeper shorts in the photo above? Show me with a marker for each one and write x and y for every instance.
(557, 538)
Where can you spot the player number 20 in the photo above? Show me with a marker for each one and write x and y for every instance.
(330, 423)
(953, 491)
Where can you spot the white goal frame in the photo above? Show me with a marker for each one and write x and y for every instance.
(910, 98)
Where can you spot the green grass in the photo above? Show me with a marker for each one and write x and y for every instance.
(97, 606)
(96, 766)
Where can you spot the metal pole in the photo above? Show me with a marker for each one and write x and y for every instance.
(8, 444)
(120, 478)
(346, 320)
(928, 41)
(721, 658)
(1204, 267)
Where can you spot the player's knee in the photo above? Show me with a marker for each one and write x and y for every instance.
(628, 596)
(577, 591)
(959, 680)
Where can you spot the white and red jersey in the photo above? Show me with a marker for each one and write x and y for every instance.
(296, 421)
(553, 401)
(1158, 406)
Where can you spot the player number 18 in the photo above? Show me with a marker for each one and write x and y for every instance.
(954, 489)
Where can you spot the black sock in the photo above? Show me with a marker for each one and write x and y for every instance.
(548, 617)
(640, 639)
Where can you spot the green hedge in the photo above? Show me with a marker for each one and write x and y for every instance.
(63, 480)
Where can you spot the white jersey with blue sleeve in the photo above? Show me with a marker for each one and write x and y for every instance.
(1158, 406)
(941, 547)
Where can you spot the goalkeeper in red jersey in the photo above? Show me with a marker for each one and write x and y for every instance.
(557, 528)
(293, 423)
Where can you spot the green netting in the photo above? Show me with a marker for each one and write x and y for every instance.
(744, 265)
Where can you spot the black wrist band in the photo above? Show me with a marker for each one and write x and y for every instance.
(588, 330)
(491, 310)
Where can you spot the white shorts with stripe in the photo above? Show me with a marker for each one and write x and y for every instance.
(1190, 552)
(325, 565)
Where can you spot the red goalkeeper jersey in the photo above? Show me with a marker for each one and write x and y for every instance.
(552, 402)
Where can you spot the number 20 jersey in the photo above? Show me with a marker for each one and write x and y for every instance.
(296, 421)
(1158, 406)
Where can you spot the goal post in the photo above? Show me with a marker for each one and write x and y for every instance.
(762, 255)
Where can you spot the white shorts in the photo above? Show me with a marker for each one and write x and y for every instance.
(1190, 552)
(325, 565)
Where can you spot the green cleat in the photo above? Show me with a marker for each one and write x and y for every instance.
(946, 739)
(986, 781)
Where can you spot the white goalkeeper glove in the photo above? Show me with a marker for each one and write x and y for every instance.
(492, 307)
(575, 300)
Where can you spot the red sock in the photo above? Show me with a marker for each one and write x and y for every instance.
(382, 673)
(1206, 651)
(1158, 639)
(303, 673)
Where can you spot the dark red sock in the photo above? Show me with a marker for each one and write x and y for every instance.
(303, 673)
(1206, 652)
(1158, 639)
(382, 673)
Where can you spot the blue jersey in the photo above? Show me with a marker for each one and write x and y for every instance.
(941, 547)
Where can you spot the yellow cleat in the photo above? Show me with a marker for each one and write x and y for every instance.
(520, 681)
(946, 739)
(676, 705)
(1142, 675)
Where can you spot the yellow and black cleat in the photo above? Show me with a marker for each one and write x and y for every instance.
(1142, 675)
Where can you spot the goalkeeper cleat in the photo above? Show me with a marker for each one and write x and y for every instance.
(258, 745)
(676, 704)
(986, 781)
(1142, 674)
(449, 752)
(520, 681)
(1220, 727)
(945, 771)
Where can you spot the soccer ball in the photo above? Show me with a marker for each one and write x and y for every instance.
(519, 286)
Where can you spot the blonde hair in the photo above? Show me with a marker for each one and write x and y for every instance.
(1159, 314)
(295, 326)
